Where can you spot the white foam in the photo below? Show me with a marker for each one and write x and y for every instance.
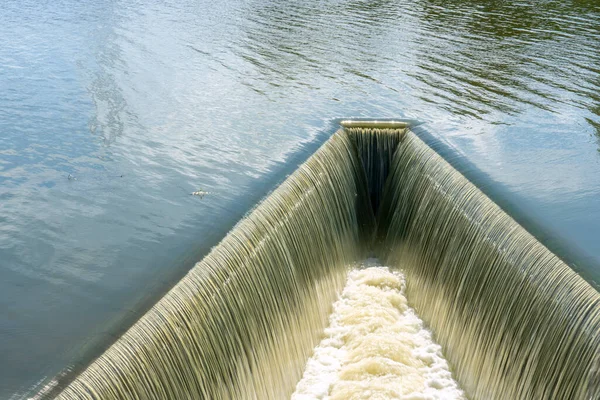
(376, 347)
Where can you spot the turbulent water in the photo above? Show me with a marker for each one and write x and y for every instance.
(376, 347)
(142, 104)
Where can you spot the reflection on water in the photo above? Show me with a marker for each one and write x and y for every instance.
(145, 104)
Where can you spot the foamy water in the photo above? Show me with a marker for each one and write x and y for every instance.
(376, 347)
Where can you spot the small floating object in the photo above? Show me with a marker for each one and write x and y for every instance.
(71, 178)
(200, 193)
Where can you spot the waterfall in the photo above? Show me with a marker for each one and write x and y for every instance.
(514, 321)
(243, 321)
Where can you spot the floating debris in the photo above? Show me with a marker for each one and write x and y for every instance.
(71, 178)
(200, 193)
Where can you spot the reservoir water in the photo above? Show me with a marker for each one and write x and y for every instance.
(113, 112)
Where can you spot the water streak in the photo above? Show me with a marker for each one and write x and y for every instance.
(376, 149)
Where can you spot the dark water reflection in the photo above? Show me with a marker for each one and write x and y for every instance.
(144, 103)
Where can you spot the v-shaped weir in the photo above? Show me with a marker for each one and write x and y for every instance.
(515, 322)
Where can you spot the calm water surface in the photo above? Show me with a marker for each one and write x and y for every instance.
(142, 103)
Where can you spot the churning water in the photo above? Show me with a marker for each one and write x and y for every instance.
(145, 103)
(376, 347)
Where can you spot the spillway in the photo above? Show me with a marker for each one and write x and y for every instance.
(513, 320)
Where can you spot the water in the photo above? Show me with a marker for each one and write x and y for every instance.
(145, 103)
(376, 347)
(512, 319)
(243, 322)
